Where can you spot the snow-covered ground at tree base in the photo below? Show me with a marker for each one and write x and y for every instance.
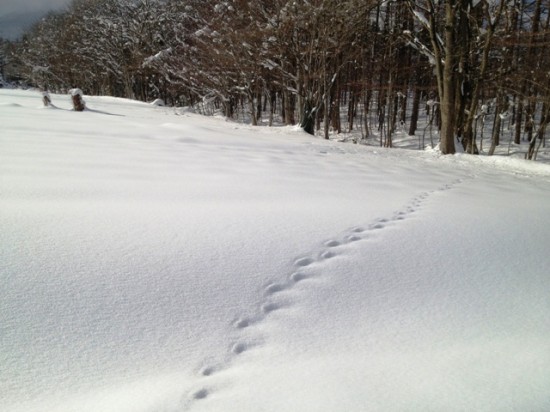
(157, 260)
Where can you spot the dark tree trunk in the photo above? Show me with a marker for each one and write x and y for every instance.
(415, 110)
(308, 118)
(78, 102)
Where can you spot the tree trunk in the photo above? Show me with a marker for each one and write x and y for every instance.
(78, 102)
(501, 107)
(288, 109)
(415, 111)
(518, 121)
(544, 119)
(308, 118)
(445, 66)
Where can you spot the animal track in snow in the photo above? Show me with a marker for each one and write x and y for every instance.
(352, 238)
(298, 277)
(399, 216)
(201, 394)
(303, 262)
(305, 269)
(270, 307)
(328, 254)
(239, 348)
(242, 323)
(274, 288)
(208, 371)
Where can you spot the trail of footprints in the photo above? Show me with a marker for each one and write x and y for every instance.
(331, 248)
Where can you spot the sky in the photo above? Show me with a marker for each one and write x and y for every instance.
(17, 15)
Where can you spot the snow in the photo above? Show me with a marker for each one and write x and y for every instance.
(159, 262)
(76, 92)
(421, 18)
(158, 102)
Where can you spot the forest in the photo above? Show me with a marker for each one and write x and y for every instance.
(331, 66)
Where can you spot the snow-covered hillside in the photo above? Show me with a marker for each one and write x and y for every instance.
(160, 261)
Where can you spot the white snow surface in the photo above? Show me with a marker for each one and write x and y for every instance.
(159, 262)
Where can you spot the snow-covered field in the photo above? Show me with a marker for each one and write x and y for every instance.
(158, 262)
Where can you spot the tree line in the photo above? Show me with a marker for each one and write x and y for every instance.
(329, 65)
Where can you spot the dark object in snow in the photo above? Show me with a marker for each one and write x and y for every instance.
(308, 120)
(46, 99)
(78, 103)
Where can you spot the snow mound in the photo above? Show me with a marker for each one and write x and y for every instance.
(194, 264)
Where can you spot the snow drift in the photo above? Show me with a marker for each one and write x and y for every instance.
(159, 262)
